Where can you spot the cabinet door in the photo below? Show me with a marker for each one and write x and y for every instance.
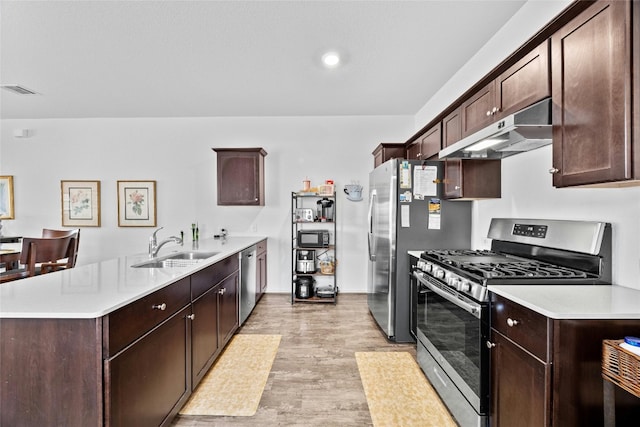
(241, 177)
(591, 97)
(204, 334)
(525, 83)
(479, 110)
(146, 382)
(262, 273)
(472, 179)
(519, 386)
(452, 179)
(452, 128)
(431, 142)
(227, 308)
(414, 150)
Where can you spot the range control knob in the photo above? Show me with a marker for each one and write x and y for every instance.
(454, 282)
(437, 272)
(464, 286)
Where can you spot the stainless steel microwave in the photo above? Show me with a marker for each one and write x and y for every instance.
(313, 238)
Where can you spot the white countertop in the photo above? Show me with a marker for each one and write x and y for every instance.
(93, 290)
(575, 301)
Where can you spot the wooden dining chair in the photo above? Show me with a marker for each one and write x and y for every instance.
(47, 252)
(48, 232)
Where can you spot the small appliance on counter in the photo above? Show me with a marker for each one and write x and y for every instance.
(304, 287)
(324, 210)
(306, 261)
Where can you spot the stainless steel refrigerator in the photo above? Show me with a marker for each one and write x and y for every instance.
(407, 212)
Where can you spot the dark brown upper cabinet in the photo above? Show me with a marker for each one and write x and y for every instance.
(595, 89)
(427, 145)
(386, 151)
(524, 83)
(240, 176)
(468, 179)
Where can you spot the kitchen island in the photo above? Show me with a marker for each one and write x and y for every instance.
(109, 344)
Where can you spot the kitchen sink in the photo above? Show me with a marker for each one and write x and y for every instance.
(191, 255)
(180, 259)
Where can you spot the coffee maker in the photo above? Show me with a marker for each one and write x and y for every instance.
(324, 210)
(306, 261)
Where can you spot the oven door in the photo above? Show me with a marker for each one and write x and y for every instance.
(453, 329)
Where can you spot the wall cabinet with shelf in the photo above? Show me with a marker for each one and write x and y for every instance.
(468, 178)
(240, 176)
(313, 248)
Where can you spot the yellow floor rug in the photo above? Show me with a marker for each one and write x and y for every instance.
(234, 385)
(398, 393)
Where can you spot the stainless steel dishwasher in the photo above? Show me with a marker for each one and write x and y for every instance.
(247, 282)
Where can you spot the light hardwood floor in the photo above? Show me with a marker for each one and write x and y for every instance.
(314, 380)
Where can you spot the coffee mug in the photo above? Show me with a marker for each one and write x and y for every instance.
(353, 191)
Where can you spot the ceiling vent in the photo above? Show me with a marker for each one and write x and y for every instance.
(20, 90)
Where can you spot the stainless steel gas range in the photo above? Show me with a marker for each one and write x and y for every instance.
(451, 301)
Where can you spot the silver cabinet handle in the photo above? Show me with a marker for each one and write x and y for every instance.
(554, 170)
(222, 291)
(512, 322)
(191, 316)
(490, 344)
(457, 187)
(161, 307)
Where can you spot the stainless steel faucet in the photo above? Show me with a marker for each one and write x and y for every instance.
(154, 246)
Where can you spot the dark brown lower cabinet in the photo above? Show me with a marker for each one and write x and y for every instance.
(519, 386)
(204, 334)
(228, 307)
(50, 372)
(548, 372)
(149, 381)
(135, 366)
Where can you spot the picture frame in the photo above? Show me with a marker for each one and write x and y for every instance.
(80, 202)
(6, 197)
(136, 203)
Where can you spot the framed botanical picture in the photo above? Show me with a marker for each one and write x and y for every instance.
(6, 197)
(80, 203)
(136, 203)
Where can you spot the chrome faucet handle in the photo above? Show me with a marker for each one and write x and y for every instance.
(153, 236)
(153, 242)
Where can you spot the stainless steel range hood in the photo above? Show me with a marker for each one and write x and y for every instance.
(525, 130)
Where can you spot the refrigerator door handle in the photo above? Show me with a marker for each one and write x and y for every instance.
(370, 237)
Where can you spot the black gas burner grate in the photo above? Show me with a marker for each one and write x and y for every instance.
(522, 270)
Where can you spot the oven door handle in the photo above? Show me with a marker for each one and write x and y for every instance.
(473, 309)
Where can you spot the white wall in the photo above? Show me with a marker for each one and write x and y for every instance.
(177, 154)
(527, 191)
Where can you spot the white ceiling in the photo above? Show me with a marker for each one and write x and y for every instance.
(235, 58)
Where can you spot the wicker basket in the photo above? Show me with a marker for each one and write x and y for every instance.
(620, 366)
(327, 267)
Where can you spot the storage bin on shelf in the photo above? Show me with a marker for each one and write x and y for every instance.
(620, 366)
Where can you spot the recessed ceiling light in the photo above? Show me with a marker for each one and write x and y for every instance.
(331, 59)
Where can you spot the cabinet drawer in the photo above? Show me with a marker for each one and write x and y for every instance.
(128, 323)
(261, 246)
(525, 327)
(208, 277)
